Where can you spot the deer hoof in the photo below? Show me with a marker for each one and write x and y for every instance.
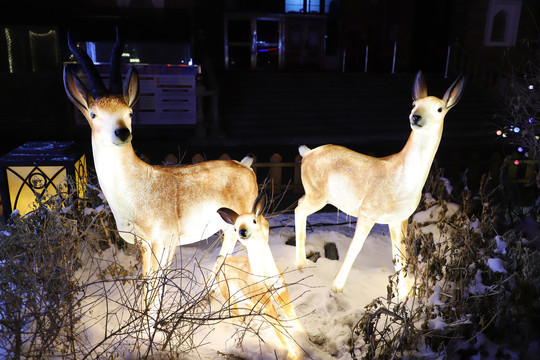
(337, 288)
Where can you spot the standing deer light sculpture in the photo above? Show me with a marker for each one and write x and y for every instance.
(157, 207)
(256, 280)
(376, 190)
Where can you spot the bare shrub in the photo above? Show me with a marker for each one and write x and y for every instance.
(474, 275)
(70, 287)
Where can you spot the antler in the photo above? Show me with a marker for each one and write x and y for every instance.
(115, 81)
(96, 83)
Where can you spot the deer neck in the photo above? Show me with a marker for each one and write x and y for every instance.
(117, 167)
(261, 260)
(416, 157)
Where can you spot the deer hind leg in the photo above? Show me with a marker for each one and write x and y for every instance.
(363, 227)
(398, 233)
(307, 205)
(271, 316)
(231, 300)
(284, 300)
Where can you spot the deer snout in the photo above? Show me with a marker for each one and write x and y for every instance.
(415, 120)
(244, 233)
(123, 134)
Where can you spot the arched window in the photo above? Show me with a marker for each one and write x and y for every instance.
(498, 28)
(141, 4)
(502, 22)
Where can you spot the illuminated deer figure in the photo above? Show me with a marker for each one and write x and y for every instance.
(376, 190)
(256, 280)
(157, 207)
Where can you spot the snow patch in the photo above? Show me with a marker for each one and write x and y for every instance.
(501, 245)
(435, 299)
(437, 323)
(496, 265)
(477, 286)
(432, 215)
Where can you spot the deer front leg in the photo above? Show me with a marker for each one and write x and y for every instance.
(306, 206)
(363, 227)
(227, 248)
(398, 233)
(146, 259)
(229, 242)
(147, 273)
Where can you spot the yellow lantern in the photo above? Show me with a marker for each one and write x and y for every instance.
(38, 169)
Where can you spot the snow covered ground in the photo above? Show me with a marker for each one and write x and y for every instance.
(327, 317)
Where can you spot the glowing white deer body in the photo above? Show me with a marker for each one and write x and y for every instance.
(160, 207)
(376, 190)
(256, 280)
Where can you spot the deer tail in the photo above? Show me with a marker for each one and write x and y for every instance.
(247, 161)
(303, 150)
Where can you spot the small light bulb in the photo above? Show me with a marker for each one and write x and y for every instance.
(531, 120)
(516, 162)
(499, 132)
(517, 129)
(526, 154)
(531, 87)
(520, 149)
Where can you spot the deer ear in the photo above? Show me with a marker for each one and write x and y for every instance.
(131, 87)
(419, 87)
(228, 215)
(258, 206)
(76, 91)
(454, 92)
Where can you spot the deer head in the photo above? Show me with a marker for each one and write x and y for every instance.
(108, 111)
(249, 228)
(429, 111)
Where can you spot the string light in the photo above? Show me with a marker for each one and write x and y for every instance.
(520, 149)
(531, 120)
(517, 129)
(516, 162)
(499, 132)
(531, 87)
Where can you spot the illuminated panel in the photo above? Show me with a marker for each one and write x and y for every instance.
(26, 184)
(168, 93)
(40, 169)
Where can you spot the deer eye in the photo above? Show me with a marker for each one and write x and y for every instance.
(254, 221)
(93, 115)
(439, 109)
(131, 115)
(413, 104)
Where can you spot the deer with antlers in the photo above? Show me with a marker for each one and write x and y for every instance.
(255, 280)
(157, 207)
(375, 190)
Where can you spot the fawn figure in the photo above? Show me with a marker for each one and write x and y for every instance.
(376, 190)
(255, 280)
